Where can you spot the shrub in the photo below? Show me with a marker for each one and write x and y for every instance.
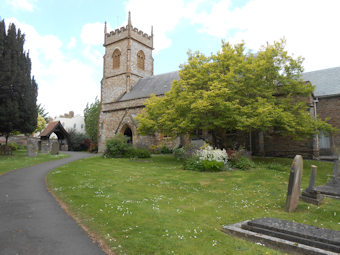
(93, 147)
(212, 165)
(136, 153)
(179, 153)
(193, 163)
(78, 141)
(209, 153)
(14, 146)
(242, 163)
(165, 150)
(116, 147)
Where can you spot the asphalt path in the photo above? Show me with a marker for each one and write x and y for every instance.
(32, 222)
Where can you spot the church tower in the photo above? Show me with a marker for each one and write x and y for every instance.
(128, 58)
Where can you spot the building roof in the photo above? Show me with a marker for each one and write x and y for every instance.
(326, 81)
(54, 127)
(158, 85)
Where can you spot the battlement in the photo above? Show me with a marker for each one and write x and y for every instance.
(124, 33)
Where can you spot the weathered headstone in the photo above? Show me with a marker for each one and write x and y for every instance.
(294, 184)
(55, 148)
(32, 147)
(332, 188)
(311, 195)
(335, 172)
(45, 146)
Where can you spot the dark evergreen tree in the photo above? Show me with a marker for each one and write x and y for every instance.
(18, 91)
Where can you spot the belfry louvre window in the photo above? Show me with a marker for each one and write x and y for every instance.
(140, 59)
(116, 59)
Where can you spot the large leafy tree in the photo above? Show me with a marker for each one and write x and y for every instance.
(235, 90)
(91, 116)
(42, 111)
(18, 91)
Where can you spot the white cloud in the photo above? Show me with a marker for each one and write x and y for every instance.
(308, 25)
(163, 15)
(64, 83)
(26, 5)
(72, 43)
(92, 34)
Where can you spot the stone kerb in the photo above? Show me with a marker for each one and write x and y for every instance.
(294, 184)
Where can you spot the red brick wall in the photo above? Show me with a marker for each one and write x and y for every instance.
(330, 107)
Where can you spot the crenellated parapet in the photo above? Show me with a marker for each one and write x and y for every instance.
(128, 32)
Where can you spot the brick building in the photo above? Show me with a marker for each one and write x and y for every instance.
(128, 81)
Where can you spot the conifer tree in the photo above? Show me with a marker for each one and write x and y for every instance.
(18, 91)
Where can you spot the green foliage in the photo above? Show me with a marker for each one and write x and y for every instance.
(193, 163)
(41, 110)
(166, 150)
(212, 165)
(91, 116)
(243, 163)
(235, 90)
(179, 153)
(14, 146)
(136, 153)
(41, 123)
(118, 147)
(78, 141)
(18, 90)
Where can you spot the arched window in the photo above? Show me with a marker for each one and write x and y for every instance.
(140, 59)
(116, 59)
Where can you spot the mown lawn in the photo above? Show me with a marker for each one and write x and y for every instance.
(152, 206)
(19, 159)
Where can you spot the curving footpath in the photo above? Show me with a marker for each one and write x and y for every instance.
(32, 222)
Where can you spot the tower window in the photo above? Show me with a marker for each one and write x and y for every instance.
(116, 59)
(140, 60)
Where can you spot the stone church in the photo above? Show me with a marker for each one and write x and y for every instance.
(128, 81)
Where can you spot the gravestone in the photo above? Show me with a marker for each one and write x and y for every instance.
(55, 148)
(45, 146)
(294, 184)
(311, 195)
(332, 188)
(32, 147)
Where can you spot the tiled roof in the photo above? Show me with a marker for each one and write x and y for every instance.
(158, 85)
(49, 129)
(326, 81)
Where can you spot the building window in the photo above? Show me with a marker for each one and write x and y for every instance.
(82, 126)
(325, 141)
(116, 59)
(74, 125)
(140, 60)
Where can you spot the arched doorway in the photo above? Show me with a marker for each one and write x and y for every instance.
(128, 133)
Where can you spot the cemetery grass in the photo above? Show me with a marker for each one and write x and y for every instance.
(153, 206)
(19, 159)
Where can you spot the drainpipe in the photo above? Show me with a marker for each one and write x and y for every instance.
(316, 146)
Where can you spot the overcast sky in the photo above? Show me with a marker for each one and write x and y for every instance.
(65, 37)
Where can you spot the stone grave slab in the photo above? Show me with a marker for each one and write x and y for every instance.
(294, 184)
(288, 235)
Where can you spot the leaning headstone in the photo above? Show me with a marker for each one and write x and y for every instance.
(55, 148)
(294, 184)
(311, 195)
(32, 147)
